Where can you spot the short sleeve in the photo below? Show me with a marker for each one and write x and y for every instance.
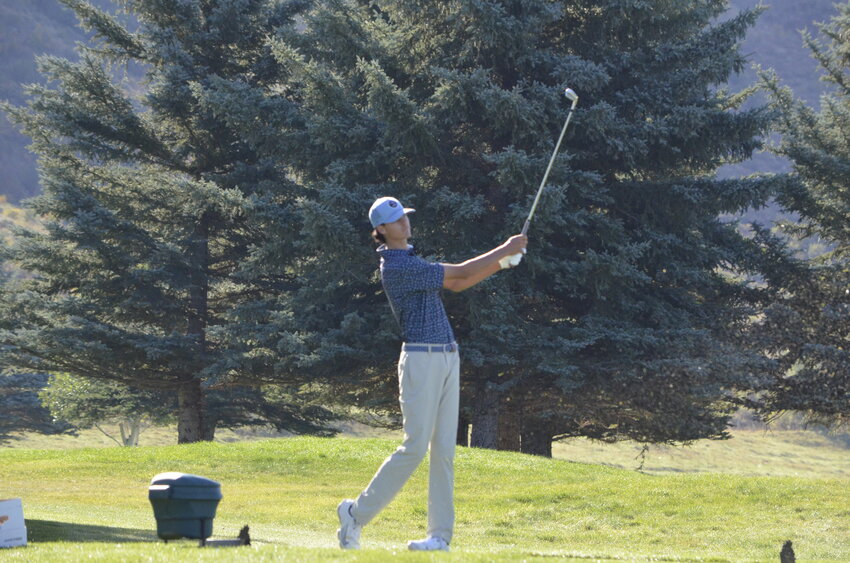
(430, 275)
(415, 275)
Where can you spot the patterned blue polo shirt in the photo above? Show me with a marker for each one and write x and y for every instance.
(413, 287)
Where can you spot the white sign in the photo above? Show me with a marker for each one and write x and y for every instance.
(13, 531)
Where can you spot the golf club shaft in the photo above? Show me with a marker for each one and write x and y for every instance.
(548, 168)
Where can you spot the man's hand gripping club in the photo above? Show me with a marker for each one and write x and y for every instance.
(514, 246)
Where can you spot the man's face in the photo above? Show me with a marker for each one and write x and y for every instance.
(397, 230)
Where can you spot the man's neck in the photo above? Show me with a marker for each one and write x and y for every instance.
(400, 244)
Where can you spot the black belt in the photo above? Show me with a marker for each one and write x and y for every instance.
(451, 347)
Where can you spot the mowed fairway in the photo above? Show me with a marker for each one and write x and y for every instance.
(91, 504)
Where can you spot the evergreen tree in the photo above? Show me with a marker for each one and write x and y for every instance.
(808, 327)
(624, 319)
(301, 411)
(155, 269)
(22, 409)
(88, 403)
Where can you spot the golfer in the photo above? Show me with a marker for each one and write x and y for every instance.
(428, 371)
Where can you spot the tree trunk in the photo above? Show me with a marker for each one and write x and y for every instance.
(190, 398)
(134, 435)
(536, 438)
(485, 419)
(130, 430)
(510, 417)
(463, 431)
(209, 430)
(135, 430)
(190, 423)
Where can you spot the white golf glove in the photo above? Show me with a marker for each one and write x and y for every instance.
(512, 260)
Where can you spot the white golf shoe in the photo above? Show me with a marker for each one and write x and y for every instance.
(432, 543)
(349, 529)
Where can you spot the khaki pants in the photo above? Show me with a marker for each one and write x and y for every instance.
(429, 390)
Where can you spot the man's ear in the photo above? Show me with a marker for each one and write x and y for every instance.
(381, 229)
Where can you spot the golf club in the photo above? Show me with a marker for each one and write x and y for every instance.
(573, 97)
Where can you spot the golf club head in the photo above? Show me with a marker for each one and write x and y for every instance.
(571, 95)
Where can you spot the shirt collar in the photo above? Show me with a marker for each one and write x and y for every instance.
(384, 251)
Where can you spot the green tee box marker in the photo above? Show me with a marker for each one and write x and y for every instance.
(184, 505)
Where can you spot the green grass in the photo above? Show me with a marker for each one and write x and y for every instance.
(166, 435)
(779, 453)
(786, 453)
(91, 504)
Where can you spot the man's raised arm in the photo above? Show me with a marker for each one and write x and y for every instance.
(463, 276)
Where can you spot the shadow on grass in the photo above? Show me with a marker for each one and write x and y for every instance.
(52, 531)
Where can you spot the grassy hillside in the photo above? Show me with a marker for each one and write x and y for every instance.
(791, 453)
(92, 504)
(785, 453)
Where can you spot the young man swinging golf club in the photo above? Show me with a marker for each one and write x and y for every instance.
(428, 370)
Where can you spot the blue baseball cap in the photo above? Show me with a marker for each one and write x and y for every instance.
(387, 210)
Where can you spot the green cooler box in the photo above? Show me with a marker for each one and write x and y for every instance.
(184, 505)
